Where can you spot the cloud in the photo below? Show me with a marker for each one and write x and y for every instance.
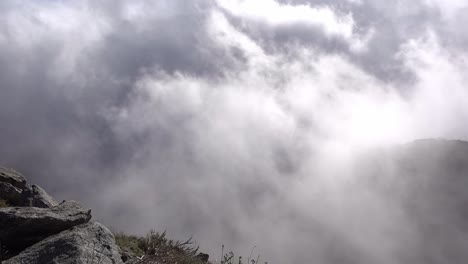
(276, 14)
(302, 21)
(447, 8)
(221, 120)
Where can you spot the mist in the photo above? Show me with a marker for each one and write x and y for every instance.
(244, 123)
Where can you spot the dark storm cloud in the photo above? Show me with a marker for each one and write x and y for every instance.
(239, 127)
(171, 38)
(67, 107)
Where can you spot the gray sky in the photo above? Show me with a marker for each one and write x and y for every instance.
(236, 121)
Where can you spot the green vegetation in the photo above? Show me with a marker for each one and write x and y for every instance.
(3, 203)
(130, 243)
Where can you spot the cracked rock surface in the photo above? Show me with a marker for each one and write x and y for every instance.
(87, 243)
(23, 226)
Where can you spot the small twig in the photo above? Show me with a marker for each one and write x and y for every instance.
(222, 253)
(251, 252)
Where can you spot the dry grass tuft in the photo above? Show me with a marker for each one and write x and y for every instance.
(3, 203)
(156, 248)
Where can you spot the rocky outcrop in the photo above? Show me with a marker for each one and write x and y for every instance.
(15, 191)
(37, 230)
(24, 226)
(87, 243)
(38, 197)
(12, 186)
(10, 193)
(12, 177)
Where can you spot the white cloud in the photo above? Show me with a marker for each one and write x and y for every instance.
(245, 155)
(229, 37)
(276, 14)
(332, 23)
(320, 109)
(448, 8)
(440, 93)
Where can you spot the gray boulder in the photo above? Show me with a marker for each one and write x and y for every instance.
(87, 243)
(128, 257)
(11, 194)
(41, 198)
(21, 227)
(12, 177)
(203, 257)
(16, 192)
(35, 196)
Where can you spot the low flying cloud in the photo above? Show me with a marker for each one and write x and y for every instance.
(236, 121)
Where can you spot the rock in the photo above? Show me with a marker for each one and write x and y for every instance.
(87, 243)
(16, 192)
(12, 177)
(41, 198)
(21, 227)
(203, 257)
(11, 194)
(38, 197)
(31, 196)
(127, 256)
